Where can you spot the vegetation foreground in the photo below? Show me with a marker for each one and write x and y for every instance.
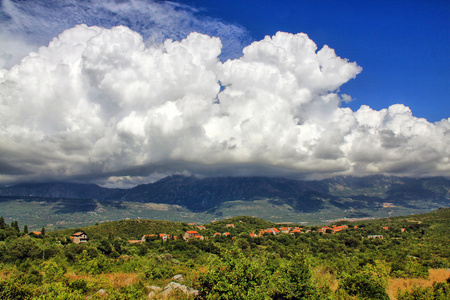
(240, 258)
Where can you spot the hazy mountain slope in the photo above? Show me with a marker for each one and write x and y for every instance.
(208, 194)
(62, 190)
(204, 194)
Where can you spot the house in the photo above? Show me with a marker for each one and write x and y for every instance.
(201, 227)
(253, 235)
(164, 236)
(230, 225)
(217, 234)
(190, 234)
(226, 234)
(386, 228)
(379, 236)
(200, 237)
(403, 229)
(273, 231)
(148, 237)
(295, 230)
(324, 229)
(79, 237)
(285, 229)
(339, 228)
(36, 232)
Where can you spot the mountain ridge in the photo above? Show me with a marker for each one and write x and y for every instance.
(203, 194)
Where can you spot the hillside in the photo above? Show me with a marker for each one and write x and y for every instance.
(402, 258)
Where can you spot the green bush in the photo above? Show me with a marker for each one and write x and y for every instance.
(408, 268)
(363, 286)
(439, 291)
(14, 289)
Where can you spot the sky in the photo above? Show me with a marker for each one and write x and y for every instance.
(121, 93)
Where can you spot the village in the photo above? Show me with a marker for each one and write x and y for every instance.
(81, 237)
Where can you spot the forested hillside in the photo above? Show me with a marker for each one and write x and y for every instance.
(239, 258)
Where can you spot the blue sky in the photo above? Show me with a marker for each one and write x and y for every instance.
(403, 46)
(126, 92)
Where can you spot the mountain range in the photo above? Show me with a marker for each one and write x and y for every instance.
(342, 196)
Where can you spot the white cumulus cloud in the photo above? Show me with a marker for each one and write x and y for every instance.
(103, 104)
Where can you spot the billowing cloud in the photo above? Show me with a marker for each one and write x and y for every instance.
(102, 104)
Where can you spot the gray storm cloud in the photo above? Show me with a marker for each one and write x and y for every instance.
(100, 103)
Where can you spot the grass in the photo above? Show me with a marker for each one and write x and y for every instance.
(407, 284)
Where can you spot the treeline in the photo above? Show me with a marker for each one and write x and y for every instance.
(313, 265)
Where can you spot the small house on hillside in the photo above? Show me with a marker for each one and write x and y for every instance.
(285, 229)
(146, 237)
(324, 229)
(201, 227)
(273, 231)
(190, 234)
(79, 237)
(296, 231)
(378, 236)
(164, 236)
(230, 225)
(339, 228)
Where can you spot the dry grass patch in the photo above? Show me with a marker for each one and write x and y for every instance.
(113, 280)
(118, 280)
(407, 284)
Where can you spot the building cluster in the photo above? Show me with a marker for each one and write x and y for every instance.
(81, 237)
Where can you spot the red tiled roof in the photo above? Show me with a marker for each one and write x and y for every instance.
(78, 233)
(192, 232)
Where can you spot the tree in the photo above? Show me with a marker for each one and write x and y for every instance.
(25, 229)
(371, 283)
(15, 226)
(232, 276)
(43, 231)
(3, 223)
(294, 280)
